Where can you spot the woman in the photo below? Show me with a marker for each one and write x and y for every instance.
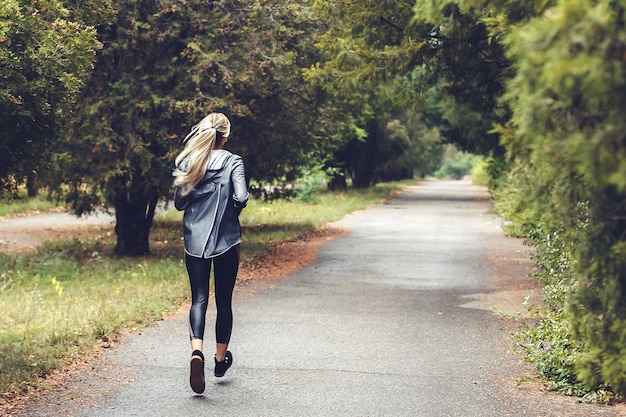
(211, 189)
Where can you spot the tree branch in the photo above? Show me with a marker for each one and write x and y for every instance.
(391, 24)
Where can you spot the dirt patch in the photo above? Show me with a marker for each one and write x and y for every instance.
(513, 292)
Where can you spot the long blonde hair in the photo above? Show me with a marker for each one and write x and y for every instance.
(198, 146)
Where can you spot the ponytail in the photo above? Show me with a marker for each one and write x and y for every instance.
(192, 162)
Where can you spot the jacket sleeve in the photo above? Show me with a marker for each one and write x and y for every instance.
(180, 202)
(240, 189)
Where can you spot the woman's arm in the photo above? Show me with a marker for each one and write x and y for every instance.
(240, 189)
(180, 202)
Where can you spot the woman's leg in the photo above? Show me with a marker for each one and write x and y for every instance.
(226, 268)
(199, 270)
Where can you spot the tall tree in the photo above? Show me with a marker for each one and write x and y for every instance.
(443, 61)
(360, 43)
(46, 51)
(165, 66)
(411, 149)
(567, 136)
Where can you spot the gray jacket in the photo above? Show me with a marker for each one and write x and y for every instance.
(211, 220)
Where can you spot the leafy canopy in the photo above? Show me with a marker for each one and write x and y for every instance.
(46, 51)
(162, 68)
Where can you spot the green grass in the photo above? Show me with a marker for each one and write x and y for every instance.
(23, 204)
(59, 301)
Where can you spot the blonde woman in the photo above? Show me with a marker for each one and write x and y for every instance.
(211, 189)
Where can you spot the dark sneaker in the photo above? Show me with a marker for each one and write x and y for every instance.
(222, 367)
(196, 374)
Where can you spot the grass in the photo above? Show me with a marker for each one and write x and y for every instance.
(59, 301)
(23, 204)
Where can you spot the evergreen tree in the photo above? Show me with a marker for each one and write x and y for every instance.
(568, 138)
(163, 67)
(365, 49)
(46, 51)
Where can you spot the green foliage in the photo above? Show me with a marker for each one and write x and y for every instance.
(361, 47)
(464, 68)
(396, 147)
(308, 186)
(456, 164)
(549, 344)
(383, 61)
(410, 149)
(568, 146)
(480, 173)
(550, 348)
(20, 203)
(163, 67)
(45, 53)
(366, 41)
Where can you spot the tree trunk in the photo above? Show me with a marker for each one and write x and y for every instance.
(31, 184)
(134, 216)
(337, 182)
(364, 158)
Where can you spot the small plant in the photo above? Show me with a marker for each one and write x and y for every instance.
(549, 344)
(5, 282)
(480, 173)
(307, 190)
(57, 286)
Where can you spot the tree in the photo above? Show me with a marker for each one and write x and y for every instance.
(411, 149)
(165, 66)
(567, 135)
(361, 95)
(448, 57)
(46, 51)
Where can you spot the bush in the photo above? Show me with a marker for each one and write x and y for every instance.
(549, 345)
(456, 164)
(480, 173)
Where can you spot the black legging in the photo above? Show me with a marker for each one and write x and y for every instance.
(225, 273)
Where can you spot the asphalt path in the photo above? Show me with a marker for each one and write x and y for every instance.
(393, 319)
(29, 231)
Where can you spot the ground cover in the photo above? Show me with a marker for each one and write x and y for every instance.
(22, 205)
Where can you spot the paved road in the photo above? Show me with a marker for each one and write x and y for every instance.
(393, 319)
(30, 231)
